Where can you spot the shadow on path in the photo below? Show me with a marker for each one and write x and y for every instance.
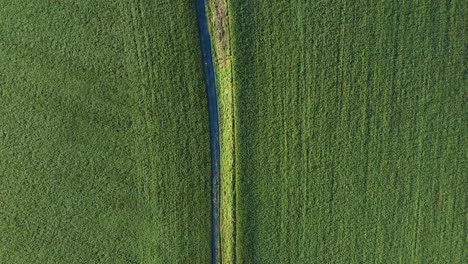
(205, 43)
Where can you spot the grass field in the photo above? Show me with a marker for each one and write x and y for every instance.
(104, 145)
(349, 131)
(342, 130)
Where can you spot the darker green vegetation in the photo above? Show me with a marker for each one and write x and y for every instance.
(104, 145)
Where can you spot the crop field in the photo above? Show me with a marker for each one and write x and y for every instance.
(342, 131)
(104, 145)
(349, 120)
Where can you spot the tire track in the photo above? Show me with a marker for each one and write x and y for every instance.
(205, 44)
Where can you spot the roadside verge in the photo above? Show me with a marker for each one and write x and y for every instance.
(219, 24)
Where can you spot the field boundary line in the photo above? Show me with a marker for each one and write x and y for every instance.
(220, 30)
(210, 82)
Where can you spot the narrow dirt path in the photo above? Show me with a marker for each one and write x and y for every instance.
(205, 43)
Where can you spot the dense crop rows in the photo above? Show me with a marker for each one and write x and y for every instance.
(104, 151)
(349, 131)
(341, 126)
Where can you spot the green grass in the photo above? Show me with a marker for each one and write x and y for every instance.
(350, 131)
(342, 129)
(220, 37)
(104, 145)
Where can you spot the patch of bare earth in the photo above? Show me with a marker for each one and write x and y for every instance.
(222, 31)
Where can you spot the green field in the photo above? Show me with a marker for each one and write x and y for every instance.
(104, 151)
(342, 130)
(349, 131)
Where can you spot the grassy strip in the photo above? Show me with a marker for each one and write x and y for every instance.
(220, 36)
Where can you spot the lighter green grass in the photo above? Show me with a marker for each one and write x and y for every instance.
(220, 36)
(350, 131)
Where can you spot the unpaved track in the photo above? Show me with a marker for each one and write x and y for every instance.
(205, 44)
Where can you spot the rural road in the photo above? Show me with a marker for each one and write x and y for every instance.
(208, 69)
